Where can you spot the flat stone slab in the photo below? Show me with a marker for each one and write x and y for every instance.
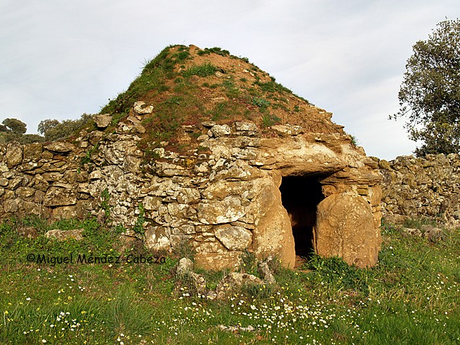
(62, 235)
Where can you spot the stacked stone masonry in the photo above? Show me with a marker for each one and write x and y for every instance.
(421, 187)
(223, 199)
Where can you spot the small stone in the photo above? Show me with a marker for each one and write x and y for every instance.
(103, 120)
(139, 129)
(246, 128)
(33, 152)
(28, 232)
(157, 239)
(412, 232)
(25, 192)
(226, 210)
(235, 280)
(220, 130)
(266, 273)
(211, 295)
(60, 147)
(287, 130)
(94, 137)
(56, 196)
(141, 109)
(62, 235)
(199, 282)
(234, 237)
(11, 206)
(433, 234)
(208, 124)
(151, 203)
(13, 156)
(185, 266)
(159, 152)
(95, 175)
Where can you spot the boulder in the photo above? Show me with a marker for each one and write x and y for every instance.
(345, 228)
(273, 233)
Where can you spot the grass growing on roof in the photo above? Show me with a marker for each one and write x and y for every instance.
(186, 85)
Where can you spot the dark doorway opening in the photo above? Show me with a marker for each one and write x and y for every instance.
(300, 196)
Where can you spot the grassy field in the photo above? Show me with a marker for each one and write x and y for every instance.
(411, 297)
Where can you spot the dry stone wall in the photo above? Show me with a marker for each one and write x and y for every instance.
(421, 187)
(222, 199)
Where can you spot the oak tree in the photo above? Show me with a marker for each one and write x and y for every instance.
(14, 126)
(429, 95)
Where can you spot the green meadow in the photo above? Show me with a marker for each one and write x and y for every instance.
(99, 291)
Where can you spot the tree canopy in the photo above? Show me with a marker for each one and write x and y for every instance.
(55, 130)
(14, 126)
(14, 130)
(47, 125)
(429, 95)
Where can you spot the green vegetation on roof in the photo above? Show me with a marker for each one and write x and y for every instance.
(187, 85)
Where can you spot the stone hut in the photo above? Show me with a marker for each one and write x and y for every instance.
(208, 150)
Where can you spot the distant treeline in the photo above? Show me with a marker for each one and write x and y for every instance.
(49, 130)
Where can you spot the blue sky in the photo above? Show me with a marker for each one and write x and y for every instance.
(60, 59)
